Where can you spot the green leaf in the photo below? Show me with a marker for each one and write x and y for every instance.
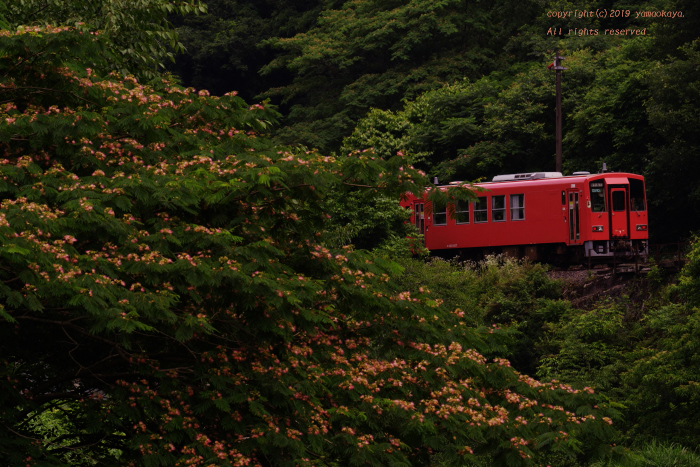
(14, 249)
(6, 316)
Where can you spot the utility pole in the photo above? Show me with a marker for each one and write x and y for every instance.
(558, 69)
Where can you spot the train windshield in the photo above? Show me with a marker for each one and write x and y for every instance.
(598, 196)
(637, 195)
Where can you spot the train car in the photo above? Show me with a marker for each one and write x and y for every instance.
(601, 218)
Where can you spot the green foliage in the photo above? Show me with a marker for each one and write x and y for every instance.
(589, 347)
(656, 275)
(3, 15)
(371, 53)
(674, 87)
(663, 380)
(169, 275)
(139, 36)
(641, 354)
(502, 122)
(388, 133)
(498, 291)
(62, 425)
(519, 297)
(656, 454)
(222, 48)
(372, 222)
(456, 286)
(689, 278)
(608, 119)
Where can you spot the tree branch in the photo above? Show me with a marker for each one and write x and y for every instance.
(55, 90)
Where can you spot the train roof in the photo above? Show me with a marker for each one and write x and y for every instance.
(528, 176)
(548, 178)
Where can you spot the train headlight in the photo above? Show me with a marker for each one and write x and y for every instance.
(599, 228)
(641, 227)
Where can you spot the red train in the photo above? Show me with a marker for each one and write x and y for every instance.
(543, 216)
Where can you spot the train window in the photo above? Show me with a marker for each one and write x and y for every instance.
(517, 207)
(618, 200)
(481, 210)
(637, 195)
(462, 212)
(597, 196)
(498, 208)
(440, 214)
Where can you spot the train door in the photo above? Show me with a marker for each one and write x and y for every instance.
(619, 215)
(574, 229)
(419, 214)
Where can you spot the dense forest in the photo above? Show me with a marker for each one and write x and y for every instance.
(463, 87)
(203, 261)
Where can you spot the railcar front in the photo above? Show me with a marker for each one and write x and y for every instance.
(617, 216)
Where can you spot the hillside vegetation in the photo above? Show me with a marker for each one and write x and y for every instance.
(224, 277)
